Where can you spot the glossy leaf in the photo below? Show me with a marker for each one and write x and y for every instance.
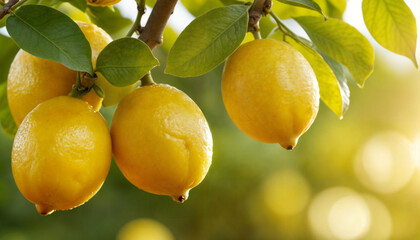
(393, 25)
(124, 61)
(343, 43)
(208, 41)
(47, 33)
(309, 4)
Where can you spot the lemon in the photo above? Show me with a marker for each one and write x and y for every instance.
(270, 92)
(32, 80)
(144, 229)
(161, 141)
(61, 154)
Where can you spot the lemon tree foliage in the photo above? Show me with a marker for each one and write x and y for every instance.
(47, 33)
(397, 31)
(270, 87)
(220, 31)
(124, 61)
(353, 50)
(309, 4)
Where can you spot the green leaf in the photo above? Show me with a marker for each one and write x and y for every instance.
(340, 74)
(109, 19)
(124, 61)
(393, 25)
(6, 120)
(329, 88)
(47, 33)
(80, 4)
(231, 2)
(309, 4)
(208, 41)
(198, 7)
(3, 21)
(336, 8)
(7, 54)
(343, 43)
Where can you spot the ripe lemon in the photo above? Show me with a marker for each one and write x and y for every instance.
(161, 141)
(61, 154)
(144, 229)
(32, 80)
(102, 3)
(270, 92)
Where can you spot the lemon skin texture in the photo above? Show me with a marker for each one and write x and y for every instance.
(270, 92)
(144, 229)
(102, 3)
(61, 154)
(161, 141)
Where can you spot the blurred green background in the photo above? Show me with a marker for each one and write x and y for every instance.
(356, 178)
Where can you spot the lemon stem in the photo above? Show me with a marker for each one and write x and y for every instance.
(147, 80)
(257, 35)
(141, 10)
(83, 85)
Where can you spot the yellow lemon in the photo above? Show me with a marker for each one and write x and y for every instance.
(61, 154)
(270, 92)
(102, 3)
(144, 229)
(32, 80)
(161, 141)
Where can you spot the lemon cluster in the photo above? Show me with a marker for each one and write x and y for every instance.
(62, 151)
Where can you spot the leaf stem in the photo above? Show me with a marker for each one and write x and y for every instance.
(20, 3)
(152, 33)
(282, 27)
(141, 10)
(147, 80)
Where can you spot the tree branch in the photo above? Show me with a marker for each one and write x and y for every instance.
(6, 8)
(152, 33)
(258, 9)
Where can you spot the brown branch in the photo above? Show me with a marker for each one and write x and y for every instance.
(152, 32)
(259, 8)
(6, 8)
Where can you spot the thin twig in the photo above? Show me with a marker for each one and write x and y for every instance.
(152, 33)
(141, 10)
(6, 8)
(259, 8)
